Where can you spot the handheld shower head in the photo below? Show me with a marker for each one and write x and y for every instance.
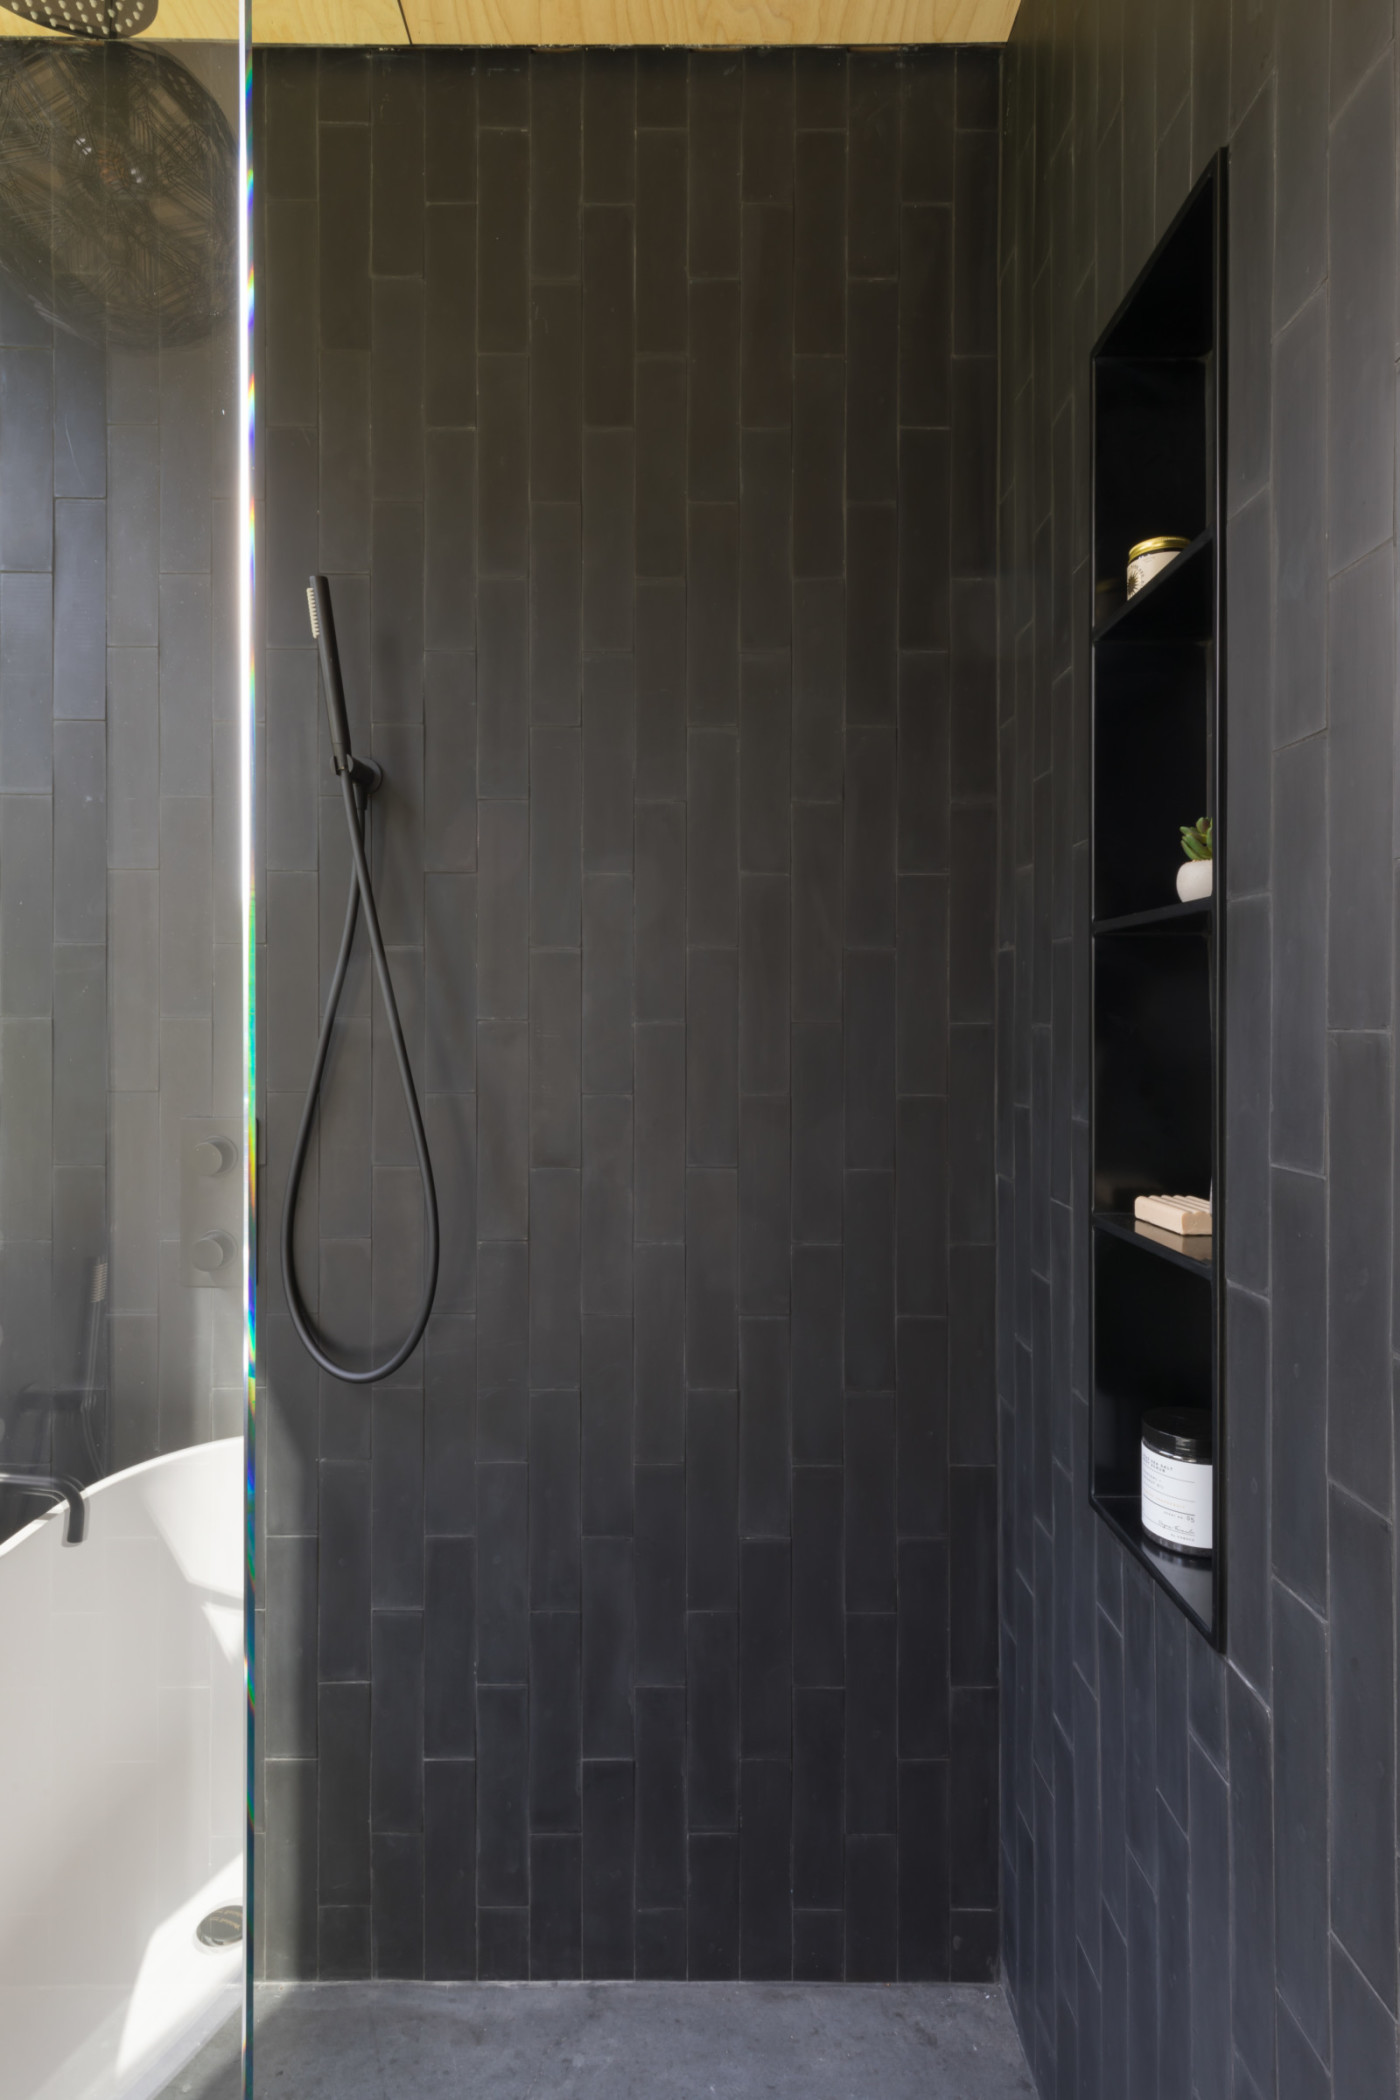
(318, 600)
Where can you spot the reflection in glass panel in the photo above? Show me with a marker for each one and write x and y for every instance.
(121, 1044)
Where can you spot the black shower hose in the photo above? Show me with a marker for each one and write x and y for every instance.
(355, 779)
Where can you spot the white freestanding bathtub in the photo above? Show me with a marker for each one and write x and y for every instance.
(121, 1779)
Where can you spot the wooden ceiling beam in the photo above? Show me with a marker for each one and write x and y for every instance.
(545, 23)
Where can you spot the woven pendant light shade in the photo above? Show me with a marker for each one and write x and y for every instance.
(117, 192)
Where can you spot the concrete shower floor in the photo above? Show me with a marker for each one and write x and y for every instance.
(634, 2041)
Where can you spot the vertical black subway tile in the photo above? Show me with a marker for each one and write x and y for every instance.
(396, 134)
(661, 466)
(872, 573)
(923, 1652)
(660, 850)
(659, 1127)
(556, 819)
(554, 1502)
(660, 1352)
(818, 869)
(872, 406)
(449, 1871)
(607, 1426)
(817, 1576)
(765, 1649)
(342, 1840)
(1299, 477)
(449, 116)
(661, 241)
(819, 213)
(765, 764)
(609, 536)
(871, 1728)
(922, 1428)
(712, 1919)
(819, 643)
(502, 1582)
(873, 211)
(1252, 1874)
(870, 1505)
(713, 344)
(923, 1918)
(556, 165)
(607, 1723)
(396, 1757)
(343, 1646)
(660, 685)
(608, 1851)
(1362, 655)
(816, 1395)
(556, 382)
(660, 1574)
(554, 1721)
(765, 916)
(817, 1801)
(712, 641)
(716, 104)
(449, 1648)
(1300, 1808)
(712, 1058)
(1362, 1732)
(609, 126)
(503, 1938)
(818, 1134)
(925, 314)
(503, 416)
(608, 326)
(764, 1428)
(1361, 248)
(767, 315)
(765, 1877)
(555, 1908)
(711, 1475)
(712, 1721)
(660, 1743)
(1359, 1224)
(769, 115)
(503, 177)
(869, 1280)
(872, 1874)
(818, 466)
(1298, 1373)
(765, 539)
(711, 1282)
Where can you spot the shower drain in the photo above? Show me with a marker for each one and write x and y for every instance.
(222, 1927)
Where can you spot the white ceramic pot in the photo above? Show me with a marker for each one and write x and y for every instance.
(1195, 878)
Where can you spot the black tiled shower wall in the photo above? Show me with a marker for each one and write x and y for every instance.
(1198, 1853)
(642, 410)
(120, 912)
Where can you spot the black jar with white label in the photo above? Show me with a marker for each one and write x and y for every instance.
(1178, 1479)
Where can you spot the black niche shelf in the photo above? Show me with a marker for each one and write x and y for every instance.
(1157, 977)
(1163, 918)
(1177, 605)
(1194, 1251)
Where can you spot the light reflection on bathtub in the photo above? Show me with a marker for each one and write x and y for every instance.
(121, 1779)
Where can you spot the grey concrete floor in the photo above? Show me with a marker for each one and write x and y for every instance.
(632, 2041)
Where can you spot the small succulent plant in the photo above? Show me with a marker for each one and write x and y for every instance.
(1196, 839)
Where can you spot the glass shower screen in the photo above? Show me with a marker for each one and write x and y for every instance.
(123, 1172)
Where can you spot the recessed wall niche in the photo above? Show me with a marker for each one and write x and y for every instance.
(1158, 751)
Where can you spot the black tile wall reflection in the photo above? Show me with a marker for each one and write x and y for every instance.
(120, 907)
(1198, 1853)
(643, 412)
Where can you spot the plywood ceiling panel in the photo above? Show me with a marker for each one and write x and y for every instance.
(553, 22)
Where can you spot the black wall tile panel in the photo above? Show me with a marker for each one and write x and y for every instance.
(1232, 1928)
(652, 1638)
